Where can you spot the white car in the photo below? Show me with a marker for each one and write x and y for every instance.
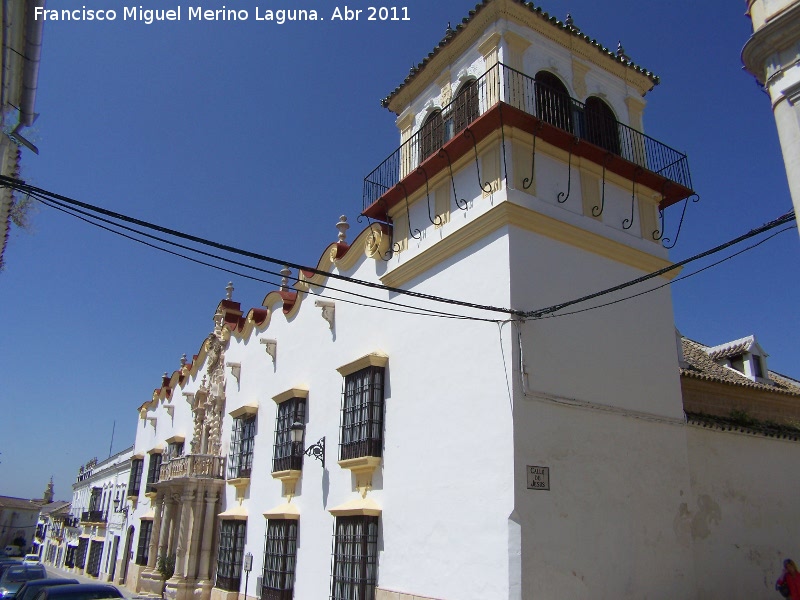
(31, 559)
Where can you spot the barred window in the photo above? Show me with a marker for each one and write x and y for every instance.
(174, 450)
(280, 555)
(135, 479)
(466, 106)
(288, 454)
(80, 553)
(431, 135)
(231, 547)
(95, 552)
(143, 548)
(362, 414)
(355, 558)
(240, 457)
(153, 471)
(553, 103)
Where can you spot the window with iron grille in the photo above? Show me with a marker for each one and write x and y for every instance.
(466, 106)
(80, 553)
(95, 552)
(280, 555)
(95, 498)
(231, 547)
(69, 559)
(288, 455)
(153, 471)
(135, 479)
(431, 135)
(240, 457)
(174, 450)
(362, 414)
(143, 547)
(355, 558)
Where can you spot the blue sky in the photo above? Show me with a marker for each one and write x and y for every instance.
(259, 135)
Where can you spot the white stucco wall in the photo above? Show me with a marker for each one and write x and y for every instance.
(741, 518)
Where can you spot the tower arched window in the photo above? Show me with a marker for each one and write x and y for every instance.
(553, 103)
(431, 136)
(465, 108)
(601, 125)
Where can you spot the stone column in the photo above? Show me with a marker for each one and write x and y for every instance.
(166, 526)
(193, 549)
(158, 505)
(208, 535)
(175, 521)
(185, 527)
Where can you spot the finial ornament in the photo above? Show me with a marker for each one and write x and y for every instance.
(621, 52)
(183, 360)
(229, 291)
(285, 271)
(450, 30)
(342, 226)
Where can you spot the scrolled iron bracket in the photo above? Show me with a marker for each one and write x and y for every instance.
(659, 233)
(453, 181)
(436, 220)
(468, 132)
(411, 231)
(636, 173)
(575, 141)
(598, 210)
(669, 243)
(528, 181)
(317, 451)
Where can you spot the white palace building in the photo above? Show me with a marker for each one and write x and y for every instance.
(518, 455)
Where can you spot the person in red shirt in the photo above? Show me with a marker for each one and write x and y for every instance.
(791, 579)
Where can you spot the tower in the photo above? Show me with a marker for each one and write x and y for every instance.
(523, 175)
(771, 56)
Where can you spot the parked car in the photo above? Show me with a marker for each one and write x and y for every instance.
(7, 562)
(31, 588)
(16, 575)
(31, 559)
(81, 591)
(13, 550)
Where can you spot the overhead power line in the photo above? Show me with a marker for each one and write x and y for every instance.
(67, 204)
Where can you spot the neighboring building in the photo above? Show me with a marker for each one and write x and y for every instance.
(771, 55)
(22, 43)
(48, 541)
(491, 454)
(18, 518)
(100, 512)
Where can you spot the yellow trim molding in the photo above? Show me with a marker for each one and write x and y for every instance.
(373, 359)
(360, 506)
(247, 409)
(284, 511)
(509, 213)
(157, 449)
(298, 392)
(138, 456)
(176, 439)
(148, 516)
(237, 513)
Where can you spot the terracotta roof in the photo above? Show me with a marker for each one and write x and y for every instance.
(619, 57)
(55, 507)
(701, 365)
(731, 348)
(784, 432)
(20, 503)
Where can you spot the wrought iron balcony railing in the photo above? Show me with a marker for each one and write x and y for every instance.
(93, 516)
(502, 84)
(204, 466)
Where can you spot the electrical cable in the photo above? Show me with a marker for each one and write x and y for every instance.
(420, 311)
(40, 194)
(23, 187)
(681, 278)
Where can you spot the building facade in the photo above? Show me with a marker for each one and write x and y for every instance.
(22, 46)
(89, 539)
(771, 56)
(408, 445)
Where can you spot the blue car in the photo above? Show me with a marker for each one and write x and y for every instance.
(31, 588)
